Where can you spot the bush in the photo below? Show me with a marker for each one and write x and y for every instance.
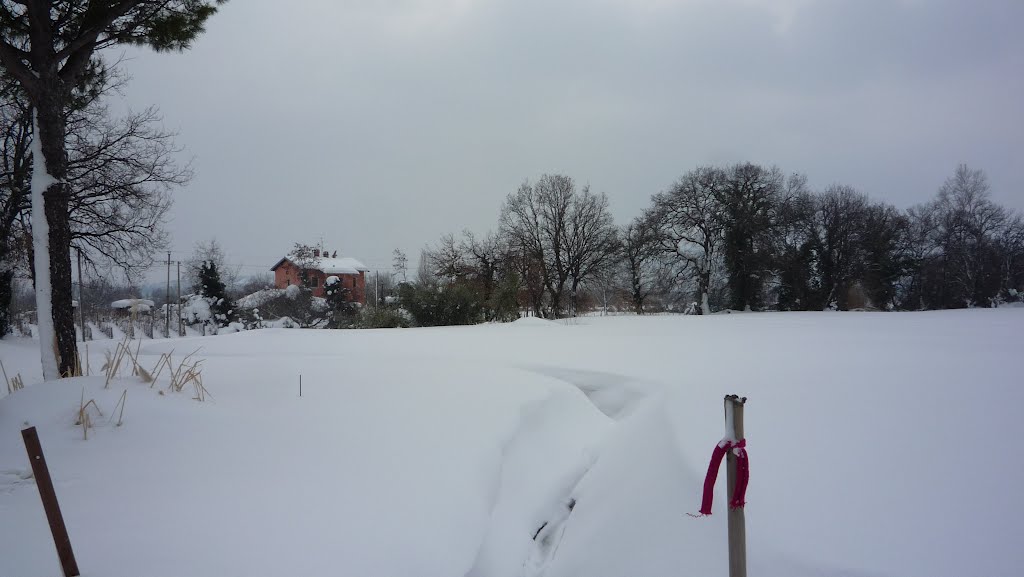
(382, 318)
(295, 302)
(451, 304)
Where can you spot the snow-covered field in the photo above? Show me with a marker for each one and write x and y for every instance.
(881, 444)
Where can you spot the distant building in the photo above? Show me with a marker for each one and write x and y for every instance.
(350, 272)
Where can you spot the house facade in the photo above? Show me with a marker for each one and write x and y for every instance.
(350, 272)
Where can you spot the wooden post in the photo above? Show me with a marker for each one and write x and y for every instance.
(50, 505)
(737, 522)
(81, 304)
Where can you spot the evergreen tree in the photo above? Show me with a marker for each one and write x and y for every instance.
(214, 291)
(342, 311)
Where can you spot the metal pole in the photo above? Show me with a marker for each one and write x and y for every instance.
(736, 520)
(177, 307)
(167, 299)
(376, 290)
(50, 504)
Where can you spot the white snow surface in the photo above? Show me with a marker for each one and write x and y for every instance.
(875, 448)
(256, 299)
(197, 310)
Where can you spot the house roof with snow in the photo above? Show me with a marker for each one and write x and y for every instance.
(342, 265)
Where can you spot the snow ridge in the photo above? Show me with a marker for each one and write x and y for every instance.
(542, 460)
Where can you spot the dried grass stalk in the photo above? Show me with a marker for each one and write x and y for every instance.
(84, 417)
(113, 364)
(165, 361)
(120, 403)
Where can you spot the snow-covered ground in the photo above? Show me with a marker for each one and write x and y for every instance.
(881, 444)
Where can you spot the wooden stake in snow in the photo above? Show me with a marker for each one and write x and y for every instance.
(737, 522)
(81, 305)
(50, 505)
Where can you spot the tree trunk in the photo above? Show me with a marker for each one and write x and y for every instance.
(6, 294)
(556, 303)
(51, 231)
(704, 287)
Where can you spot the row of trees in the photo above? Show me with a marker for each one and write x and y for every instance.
(775, 244)
(741, 237)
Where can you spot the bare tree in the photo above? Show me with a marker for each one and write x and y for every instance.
(568, 235)
(840, 222)
(120, 173)
(16, 167)
(688, 225)
(483, 265)
(641, 257)
(963, 234)
(592, 240)
(750, 201)
(446, 259)
(400, 265)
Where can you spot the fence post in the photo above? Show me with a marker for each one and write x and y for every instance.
(737, 521)
(50, 505)
(81, 300)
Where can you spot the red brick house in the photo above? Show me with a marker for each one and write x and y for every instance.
(350, 272)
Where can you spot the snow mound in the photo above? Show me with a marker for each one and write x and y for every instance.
(256, 299)
(533, 322)
(140, 305)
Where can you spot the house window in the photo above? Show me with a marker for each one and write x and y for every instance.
(314, 282)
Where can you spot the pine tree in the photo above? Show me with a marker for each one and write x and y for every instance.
(342, 310)
(214, 291)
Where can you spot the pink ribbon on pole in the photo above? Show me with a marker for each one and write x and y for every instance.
(739, 493)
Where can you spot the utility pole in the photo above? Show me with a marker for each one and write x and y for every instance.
(167, 299)
(81, 304)
(177, 307)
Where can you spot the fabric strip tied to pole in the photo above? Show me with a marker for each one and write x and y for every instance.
(738, 500)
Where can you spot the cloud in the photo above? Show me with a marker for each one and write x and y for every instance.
(386, 124)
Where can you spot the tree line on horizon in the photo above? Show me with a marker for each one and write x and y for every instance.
(737, 237)
(741, 237)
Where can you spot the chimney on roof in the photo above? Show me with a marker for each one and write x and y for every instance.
(316, 252)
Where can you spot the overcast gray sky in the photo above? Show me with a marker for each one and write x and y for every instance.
(383, 125)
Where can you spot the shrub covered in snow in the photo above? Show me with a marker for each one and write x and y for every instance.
(341, 311)
(452, 304)
(212, 289)
(296, 304)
